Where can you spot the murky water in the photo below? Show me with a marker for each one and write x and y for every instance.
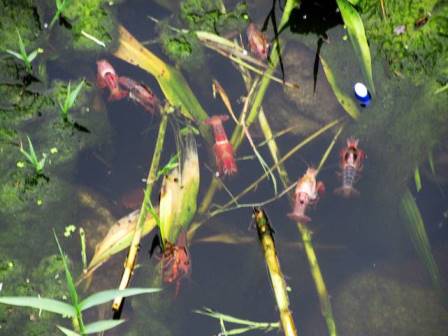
(367, 259)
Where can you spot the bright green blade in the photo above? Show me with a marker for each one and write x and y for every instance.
(74, 94)
(417, 179)
(356, 32)
(419, 237)
(15, 54)
(50, 305)
(68, 276)
(108, 295)
(103, 325)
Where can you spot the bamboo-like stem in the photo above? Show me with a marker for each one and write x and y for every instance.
(237, 135)
(133, 249)
(324, 298)
(265, 235)
(305, 233)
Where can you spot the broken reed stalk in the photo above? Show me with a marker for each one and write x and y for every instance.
(324, 298)
(265, 235)
(237, 135)
(305, 234)
(152, 175)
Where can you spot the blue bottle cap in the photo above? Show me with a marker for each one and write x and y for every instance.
(362, 94)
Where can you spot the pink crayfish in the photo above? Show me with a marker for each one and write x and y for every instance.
(223, 149)
(351, 158)
(306, 193)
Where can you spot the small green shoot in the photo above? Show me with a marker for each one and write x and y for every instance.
(75, 309)
(417, 179)
(22, 54)
(60, 7)
(69, 100)
(31, 156)
(82, 237)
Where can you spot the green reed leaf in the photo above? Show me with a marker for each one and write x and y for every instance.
(68, 332)
(108, 295)
(50, 305)
(356, 32)
(103, 325)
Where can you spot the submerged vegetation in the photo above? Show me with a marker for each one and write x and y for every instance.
(273, 70)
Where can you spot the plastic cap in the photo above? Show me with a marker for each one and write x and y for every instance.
(361, 93)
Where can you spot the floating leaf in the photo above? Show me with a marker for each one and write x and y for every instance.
(117, 239)
(356, 32)
(50, 305)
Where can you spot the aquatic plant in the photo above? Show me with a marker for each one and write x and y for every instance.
(31, 156)
(69, 100)
(76, 308)
(23, 55)
(245, 325)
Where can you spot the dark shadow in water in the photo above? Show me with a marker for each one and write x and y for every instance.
(271, 17)
(316, 63)
(315, 17)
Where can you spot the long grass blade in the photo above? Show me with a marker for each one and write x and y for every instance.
(68, 276)
(417, 232)
(345, 100)
(356, 32)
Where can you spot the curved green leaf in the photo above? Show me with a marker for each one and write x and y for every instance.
(345, 100)
(108, 295)
(50, 305)
(68, 332)
(356, 32)
(102, 326)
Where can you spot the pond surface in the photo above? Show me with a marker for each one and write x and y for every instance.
(373, 274)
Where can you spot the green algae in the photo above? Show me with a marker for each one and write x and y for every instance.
(374, 304)
(415, 50)
(18, 280)
(94, 17)
(199, 15)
